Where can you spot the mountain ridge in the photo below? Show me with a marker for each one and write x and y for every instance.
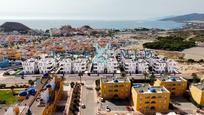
(186, 18)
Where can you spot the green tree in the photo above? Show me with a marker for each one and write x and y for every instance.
(123, 74)
(145, 74)
(152, 78)
(72, 84)
(30, 82)
(195, 78)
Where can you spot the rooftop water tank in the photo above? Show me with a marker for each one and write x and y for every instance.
(153, 90)
(48, 86)
(173, 79)
(136, 85)
(31, 91)
(45, 75)
(115, 80)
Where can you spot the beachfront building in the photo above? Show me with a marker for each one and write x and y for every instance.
(65, 65)
(176, 85)
(45, 65)
(115, 89)
(79, 65)
(197, 93)
(150, 99)
(30, 66)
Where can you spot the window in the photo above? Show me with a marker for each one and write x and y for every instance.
(147, 97)
(153, 102)
(115, 90)
(147, 107)
(146, 102)
(152, 108)
(153, 97)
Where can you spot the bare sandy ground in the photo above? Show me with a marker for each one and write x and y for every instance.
(188, 69)
(195, 53)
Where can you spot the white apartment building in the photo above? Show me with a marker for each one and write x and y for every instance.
(29, 66)
(65, 65)
(45, 65)
(158, 64)
(112, 65)
(161, 64)
(171, 66)
(142, 66)
(159, 67)
(99, 67)
(129, 65)
(79, 65)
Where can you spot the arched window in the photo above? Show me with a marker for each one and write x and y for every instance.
(152, 108)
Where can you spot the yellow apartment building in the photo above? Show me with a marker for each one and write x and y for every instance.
(176, 85)
(150, 99)
(115, 89)
(197, 93)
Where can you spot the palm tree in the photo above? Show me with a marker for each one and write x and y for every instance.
(145, 74)
(12, 90)
(123, 74)
(152, 78)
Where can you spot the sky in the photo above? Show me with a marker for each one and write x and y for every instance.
(98, 9)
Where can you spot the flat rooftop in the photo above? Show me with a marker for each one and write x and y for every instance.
(171, 79)
(115, 80)
(147, 88)
(199, 86)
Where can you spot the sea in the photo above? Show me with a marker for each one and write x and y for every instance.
(99, 24)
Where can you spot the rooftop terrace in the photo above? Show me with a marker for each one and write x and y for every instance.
(199, 86)
(147, 88)
(171, 79)
(105, 80)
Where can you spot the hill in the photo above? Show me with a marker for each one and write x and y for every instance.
(14, 26)
(187, 17)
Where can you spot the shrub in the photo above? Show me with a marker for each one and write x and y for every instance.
(97, 82)
(170, 43)
(31, 82)
(72, 84)
(97, 88)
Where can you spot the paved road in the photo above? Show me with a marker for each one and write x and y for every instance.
(89, 98)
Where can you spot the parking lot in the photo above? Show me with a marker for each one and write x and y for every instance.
(116, 105)
(183, 106)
